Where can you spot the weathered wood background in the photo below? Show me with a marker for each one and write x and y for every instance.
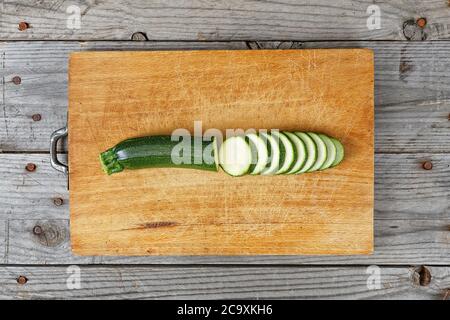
(412, 98)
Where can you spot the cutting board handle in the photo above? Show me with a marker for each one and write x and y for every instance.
(56, 164)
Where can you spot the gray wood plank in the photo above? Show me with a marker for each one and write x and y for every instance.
(412, 216)
(222, 283)
(412, 89)
(224, 20)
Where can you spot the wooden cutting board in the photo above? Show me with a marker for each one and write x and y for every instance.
(117, 95)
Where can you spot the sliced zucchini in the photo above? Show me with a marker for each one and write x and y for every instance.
(274, 154)
(311, 151)
(331, 151)
(299, 152)
(286, 151)
(339, 152)
(321, 151)
(262, 154)
(235, 156)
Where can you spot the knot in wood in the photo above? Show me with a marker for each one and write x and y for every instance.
(49, 234)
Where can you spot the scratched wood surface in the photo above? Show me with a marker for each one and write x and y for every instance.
(225, 20)
(412, 94)
(114, 96)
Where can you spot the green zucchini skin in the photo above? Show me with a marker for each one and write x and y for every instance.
(155, 152)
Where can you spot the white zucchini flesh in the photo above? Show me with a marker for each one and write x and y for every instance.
(311, 151)
(339, 152)
(262, 155)
(331, 152)
(321, 151)
(300, 152)
(216, 153)
(274, 156)
(235, 156)
(286, 152)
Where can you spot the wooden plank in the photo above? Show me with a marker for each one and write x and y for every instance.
(213, 213)
(396, 242)
(224, 20)
(123, 282)
(412, 89)
(412, 216)
(403, 189)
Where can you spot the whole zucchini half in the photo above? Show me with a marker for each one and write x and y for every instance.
(161, 152)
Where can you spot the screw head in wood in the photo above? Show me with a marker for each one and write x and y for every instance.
(36, 117)
(17, 80)
(30, 167)
(23, 26)
(427, 165)
(421, 22)
(22, 280)
(37, 230)
(58, 201)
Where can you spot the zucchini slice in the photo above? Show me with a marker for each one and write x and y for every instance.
(311, 151)
(321, 151)
(331, 152)
(235, 156)
(299, 151)
(274, 154)
(339, 152)
(286, 151)
(262, 155)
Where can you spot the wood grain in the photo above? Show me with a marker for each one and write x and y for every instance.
(412, 89)
(115, 96)
(411, 220)
(153, 282)
(403, 242)
(224, 20)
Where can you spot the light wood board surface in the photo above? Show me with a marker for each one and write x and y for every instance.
(114, 96)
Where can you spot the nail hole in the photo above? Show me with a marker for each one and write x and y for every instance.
(23, 26)
(22, 280)
(16, 80)
(36, 117)
(30, 167)
(421, 22)
(427, 165)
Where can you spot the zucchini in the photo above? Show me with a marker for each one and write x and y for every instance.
(299, 152)
(261, 152)
(311, 151)
(339, 152)
(235, 156)
(160, 152)
(274, 154)
(331, 152)
(321, 151)
(286, 152)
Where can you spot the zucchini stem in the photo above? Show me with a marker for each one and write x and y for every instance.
(109, 162)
